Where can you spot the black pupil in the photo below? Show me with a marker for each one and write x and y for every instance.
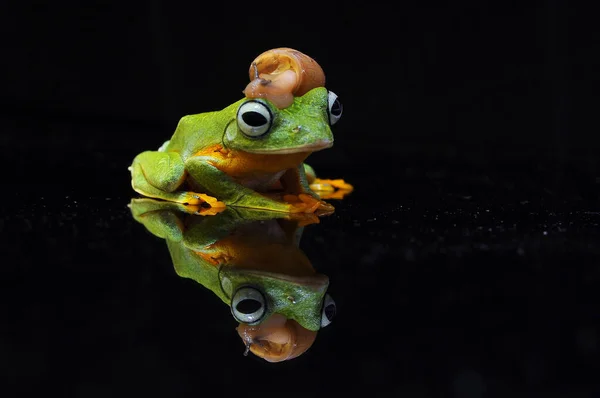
(336, 108)
(254, 119)
(330, 311)
(248, 306)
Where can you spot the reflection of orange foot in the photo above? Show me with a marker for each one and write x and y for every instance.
(305, 203)
(207, 211)
(331, 189)
(304, 219)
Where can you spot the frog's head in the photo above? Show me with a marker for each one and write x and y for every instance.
(279, 314)
(255, 295)
(304, 126)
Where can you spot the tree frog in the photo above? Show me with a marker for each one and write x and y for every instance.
(250, 154)
(251, 260)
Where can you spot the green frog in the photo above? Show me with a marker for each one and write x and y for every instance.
(250, 154)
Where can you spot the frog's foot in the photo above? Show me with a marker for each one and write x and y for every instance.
(305, 203)
(331, 188)
(157, 188)
(190, 202)
(144, 205)
(203, 209)
(200, 199)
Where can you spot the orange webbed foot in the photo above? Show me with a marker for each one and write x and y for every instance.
(199, 199)
(305, 203)
(331, 188)
(204, 211)
(200, 204)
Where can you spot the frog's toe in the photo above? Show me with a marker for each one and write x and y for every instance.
(305, 203)
(212, 201)
(339, 194)
(322, 189)
(331, 189)
(322, 184)
(341, 184)
(297, 207)
(198, 199)
(208, 211)
(295, 204)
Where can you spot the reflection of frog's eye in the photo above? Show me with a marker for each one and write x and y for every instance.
(328, 311)
(248, 305)
(254, 118)
(334, 107)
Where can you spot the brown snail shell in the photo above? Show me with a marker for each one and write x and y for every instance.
(277, 339)
(281, 73)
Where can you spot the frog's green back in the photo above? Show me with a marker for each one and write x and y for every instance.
(199, 131)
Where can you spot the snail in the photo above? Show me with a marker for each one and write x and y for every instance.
(281, 73)
(277, 339)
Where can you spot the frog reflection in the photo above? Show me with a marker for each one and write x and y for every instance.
(252, 261)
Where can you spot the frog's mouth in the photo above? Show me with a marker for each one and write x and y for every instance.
(313, 147)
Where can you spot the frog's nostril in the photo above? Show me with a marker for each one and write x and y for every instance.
(297, 129)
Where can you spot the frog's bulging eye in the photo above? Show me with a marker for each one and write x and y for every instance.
(254, 118)
(328, 311)
(334, 107)
(248, 305)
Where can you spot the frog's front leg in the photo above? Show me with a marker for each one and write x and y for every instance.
(204, 169)
(158, 174)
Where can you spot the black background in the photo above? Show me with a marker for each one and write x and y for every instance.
(479, 83)
(466, 257)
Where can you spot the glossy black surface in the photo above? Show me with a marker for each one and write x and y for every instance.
(464, 264)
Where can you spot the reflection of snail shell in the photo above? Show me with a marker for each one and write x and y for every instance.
(282, 73)
(277, 339)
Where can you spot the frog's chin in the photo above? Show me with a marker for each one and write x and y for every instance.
(314, 147)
